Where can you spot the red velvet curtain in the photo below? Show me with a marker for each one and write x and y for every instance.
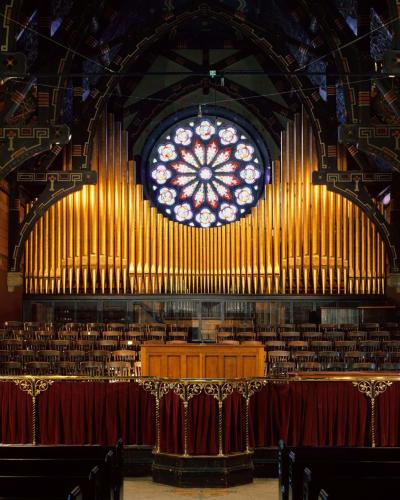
(15, 415)
(309, 414)
(388, 416)
(96, 413)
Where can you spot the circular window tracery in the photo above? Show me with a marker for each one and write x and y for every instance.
(205, 171)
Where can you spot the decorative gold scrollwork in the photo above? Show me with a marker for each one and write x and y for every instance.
(372, 389)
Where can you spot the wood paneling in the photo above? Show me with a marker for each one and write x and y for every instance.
(202, 361)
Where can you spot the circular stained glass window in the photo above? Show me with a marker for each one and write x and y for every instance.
(205, 171)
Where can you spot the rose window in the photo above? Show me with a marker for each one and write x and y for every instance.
(205, 172)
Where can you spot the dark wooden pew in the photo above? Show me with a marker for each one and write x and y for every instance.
(110, 457)
(292, 461)
(370, 488)
(354, 473)
(55, 467)
(50, 487)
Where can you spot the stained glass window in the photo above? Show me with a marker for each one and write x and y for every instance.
(205, 171)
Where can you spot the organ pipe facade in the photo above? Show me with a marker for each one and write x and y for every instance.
(299, 239)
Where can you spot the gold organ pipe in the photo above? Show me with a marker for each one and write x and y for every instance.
(351, 211)
(290, 178)
(93, 211)
(132, 227)
(109, 234)
(53, 247)
(306, 180)
(159, 247)
(139, 238)
(102, 214)
(46, 251)
(369, 254)
(124, 213)
(146, 243)
(165, 255)
(117, 204)
(331, 221)
(276, 233)
(298, 201)
(357, 253)
(110, 203)
(315, 223)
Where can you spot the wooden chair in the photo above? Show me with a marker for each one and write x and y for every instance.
(68, 335)
(277, 356)
(389, 366)
(123, 355)
(133, 345)
(156, 335)
(16, 325)
(352, 357)
(116, 327)
(345, 345)
(118, 369)
(303, 356)
(275, 345)
(328, 327)
(310, 366)
(182, 342)
(334, 336)
(65, 368)
(98, 355)
(381, 335)
(289, 336)
(112, 335)
(89, 335)
(297, 345)
(92, 368)
(391, 345)
(321, 345)
(286, 327)
(11, 344)
(84, 345)
(348, 327)
(251, 342)
(75, 356)
(134, 336)
(357, 335)
(45, 335)
(221, 336)
(5, 355)
(248, 335)
(307, 327)
(363, 366)
(24, 356)
(328, 358)
(369, 345)
(313, 336)
(60, 344)
(286, 366)
(110, 345)
(229, 342)
(38, 368)
(11, 367)
(49, 355)
(264, 336)
(370, 327)
(178, 335)
(137, 369)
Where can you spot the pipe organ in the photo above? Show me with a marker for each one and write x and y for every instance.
(299, 238)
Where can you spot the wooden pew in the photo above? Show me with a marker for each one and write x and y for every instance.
(353, 473)
(370, 488)
(292, 461)
(45, 487)
(102, 456)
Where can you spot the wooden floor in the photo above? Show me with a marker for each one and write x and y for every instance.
(145, 489)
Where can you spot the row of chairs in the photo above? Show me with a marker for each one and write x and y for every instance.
(85, 368)
(310, 327)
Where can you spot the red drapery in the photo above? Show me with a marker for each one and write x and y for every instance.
(96, 413)
(388, 417)
(15, 415)
(301, 413)
(309, 414)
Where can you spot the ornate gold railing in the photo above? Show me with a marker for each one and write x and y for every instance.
(371, 385)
